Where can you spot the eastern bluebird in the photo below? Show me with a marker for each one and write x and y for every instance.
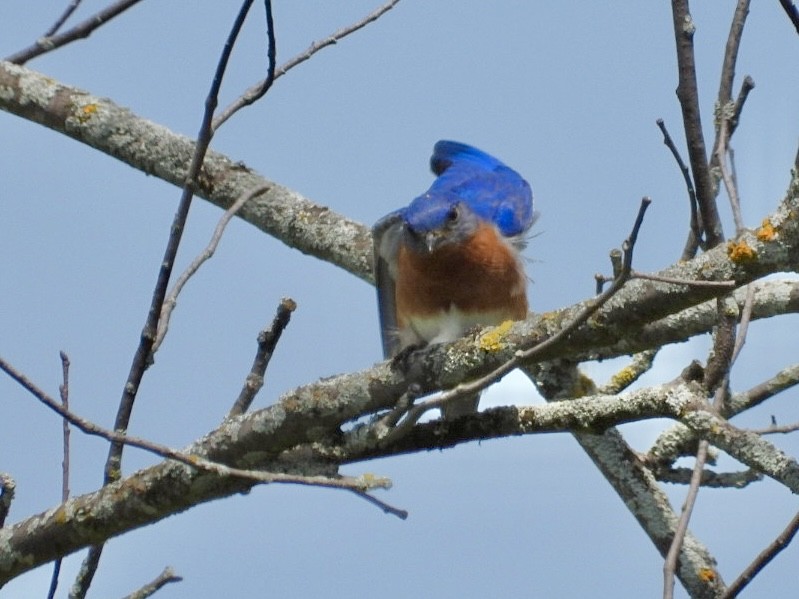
(449, 261)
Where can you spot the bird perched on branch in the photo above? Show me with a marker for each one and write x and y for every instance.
(449, 261)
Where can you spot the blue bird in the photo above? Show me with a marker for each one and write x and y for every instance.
(449, 261)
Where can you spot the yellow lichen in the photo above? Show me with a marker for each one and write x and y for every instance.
(740, 251)
(766, 231)
(492, 340)
(623, 377)
(707, 575)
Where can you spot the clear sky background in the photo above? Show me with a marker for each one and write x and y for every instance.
(567, 93)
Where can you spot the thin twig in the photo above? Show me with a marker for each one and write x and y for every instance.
(671, 280)
(267, 341)
(163, 579)
(387, 509)
(80, 31)
(361, 483)
(63, 391)
(731, 51)
(143, 356)
(688, 96)
(670, 564)
(63, 18)
(792, 12)
(522, 356)
(725, 116)
(747, 86)
(776, 429)
(255, 93)
(7, 489)
(245, 98)
(694, 241)
(172, 298)
(763, 559)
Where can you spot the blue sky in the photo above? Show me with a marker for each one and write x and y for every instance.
(566, 93)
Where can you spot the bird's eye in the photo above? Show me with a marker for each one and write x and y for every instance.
(453, 214)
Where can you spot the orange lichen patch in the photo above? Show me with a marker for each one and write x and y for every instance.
(740, 251)
(766, 231)
(86, 112)
(707, 575)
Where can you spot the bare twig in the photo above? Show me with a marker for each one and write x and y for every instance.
(63, 390)
(256, 92)
(267, 341)
(171, 300)
(731, 51)
(80, 31)
(747, 86)
(792, 12)
(763, 559)
(73, 5)
(163, 579)
(387, 509)
(688, 95)
(248, 96)
(7, 489)
(670, 564)
(143, 355)
(694, 240)
(725, 117)
(776, 429)
(707, 284)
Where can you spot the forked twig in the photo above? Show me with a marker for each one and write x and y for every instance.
(171, 300)
(73, 5)
(143, 356)
(163, 579)
(80, 31)
(249, 96)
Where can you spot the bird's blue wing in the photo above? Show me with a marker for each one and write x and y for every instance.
(386, 235)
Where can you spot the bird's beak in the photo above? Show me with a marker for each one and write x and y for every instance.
(432, 240)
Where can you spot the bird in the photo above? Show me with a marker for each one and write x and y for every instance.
(450, 260)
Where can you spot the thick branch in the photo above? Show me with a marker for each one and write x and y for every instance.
(155, 150)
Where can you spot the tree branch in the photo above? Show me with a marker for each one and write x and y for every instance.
(283, 213)
(82, 30)
(763, 559)
(688, 95)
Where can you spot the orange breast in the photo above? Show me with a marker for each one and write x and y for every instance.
(482, 275)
